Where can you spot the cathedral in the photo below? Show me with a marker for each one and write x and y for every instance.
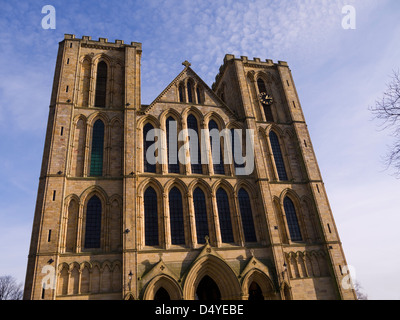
(126, 213)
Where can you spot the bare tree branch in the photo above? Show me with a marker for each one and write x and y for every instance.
(10, 289)
(387, 109)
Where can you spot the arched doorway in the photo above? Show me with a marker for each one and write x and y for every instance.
(208, 290)
(255, 292)
(162, 295)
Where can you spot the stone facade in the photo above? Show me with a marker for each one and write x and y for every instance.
(273, 265)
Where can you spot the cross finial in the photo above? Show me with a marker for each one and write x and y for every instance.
(207, 238)
(186, 63)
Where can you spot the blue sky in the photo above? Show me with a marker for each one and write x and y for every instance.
(338, 73)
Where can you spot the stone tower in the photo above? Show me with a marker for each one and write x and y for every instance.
(111, 224)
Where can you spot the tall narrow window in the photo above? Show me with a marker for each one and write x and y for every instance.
(189, 91)
(235, 137)
(292, 221)
(150, 217)
(101, 85)
(172, 146)
(199, 101)
(181, 99)
(147, 167)
(195, 159)
(267, 108)
(247, 216)
(218, 164)
(93, 223)
(276, 150)
(224, 215)
(176, 217)
(96, 160)
(200, 212)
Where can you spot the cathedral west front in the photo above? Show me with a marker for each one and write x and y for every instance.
(134, 204)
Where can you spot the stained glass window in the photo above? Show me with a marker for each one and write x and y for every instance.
(96, 160)
(93, 223)
(200, 211)
(276, 150)
(151, 217)
(224, 215)
(172, 148)
(291, 218)
(247, 216)
(196, 167)
(148, 167)
(218, 167)
(101, 85)
(176, 217)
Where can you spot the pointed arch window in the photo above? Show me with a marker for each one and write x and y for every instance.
(189, 91)
(151, 217)
(198, 91)
(219, 168)
(101, 85)
(195, 159)
(176, 217)
(181, 96)
(96, 159)
(292, 221)
(224, 216)
(200, 212)
(93, 223)
(277, 153)
(147, 167)
(247, 216)
(235, 137)
(172, 146)
(267, 108)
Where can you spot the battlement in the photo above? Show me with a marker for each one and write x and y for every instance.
(101, 41)
(256, 62)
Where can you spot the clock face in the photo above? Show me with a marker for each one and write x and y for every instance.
(265, 98)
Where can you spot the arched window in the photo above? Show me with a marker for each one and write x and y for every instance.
(291, 218)
(150, 217)
(172, 146)
(147, 167)
(218, 167)
(224, 215)
(267, 108)
(276, 150)
(235, 137)
(195, 160)
(96, 159)
(93, 223)
(200, 212)
(101, 85)
(199, 101)
(247, 216)
(189, 91)
(162, 295)
(181, 97)
(208, 290)
(176, 217)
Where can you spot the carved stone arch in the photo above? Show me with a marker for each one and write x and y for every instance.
(251, 75)
(62, 279)
(96, 116)
(91, 191)
(196, 113)
(292, 195)
(151, 182)
(249, 187)
(70, 223)
(148, 118)
(170, 113)
(198, 182)
(279, 215)
(224, 184)
(115, 224)
(233, 124)
(219, 271)
(212, 115)
(103, 57)
(163, 281)
(310, 218)
(263, 281)
(79, 117)
(176, 182)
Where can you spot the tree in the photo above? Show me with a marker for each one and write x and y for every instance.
(359, 291)
(10, 289)
(387, 109)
